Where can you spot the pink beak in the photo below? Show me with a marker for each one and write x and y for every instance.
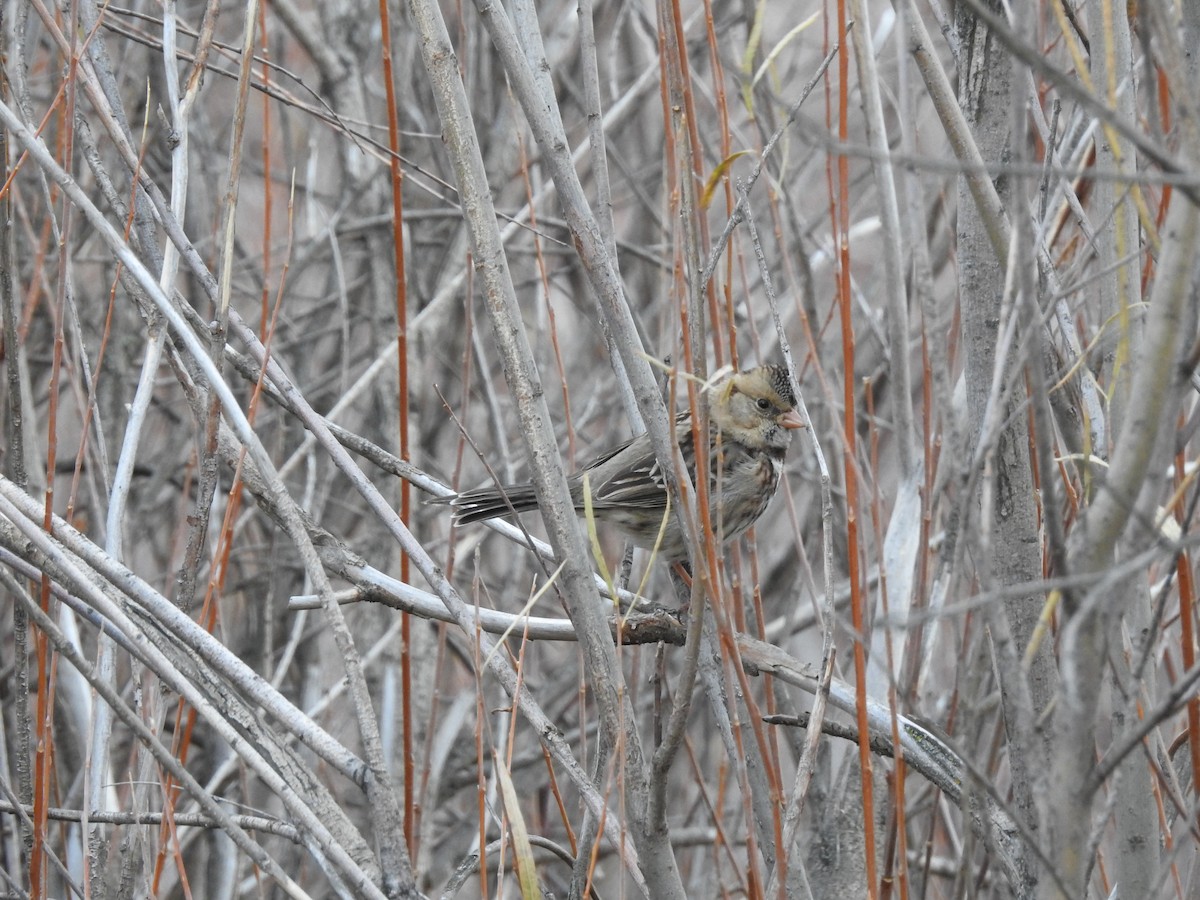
(791, 419)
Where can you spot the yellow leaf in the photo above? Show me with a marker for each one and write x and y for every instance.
(715, 178)
(752, 42)
(778, 48)
(522, 849)
(589, 518)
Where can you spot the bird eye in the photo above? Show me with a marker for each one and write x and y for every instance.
(764, 404)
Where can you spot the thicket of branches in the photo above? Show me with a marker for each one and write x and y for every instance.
(273, 275)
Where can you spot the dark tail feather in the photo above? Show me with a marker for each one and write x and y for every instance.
(488, 503)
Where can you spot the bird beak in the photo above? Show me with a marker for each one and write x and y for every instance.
(791, 419)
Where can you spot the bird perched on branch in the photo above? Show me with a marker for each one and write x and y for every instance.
(751, 416)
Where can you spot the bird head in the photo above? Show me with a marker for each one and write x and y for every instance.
(757, 407)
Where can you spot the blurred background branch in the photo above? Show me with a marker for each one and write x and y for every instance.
(971, 233)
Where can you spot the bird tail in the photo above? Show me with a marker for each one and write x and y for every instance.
(488, 503)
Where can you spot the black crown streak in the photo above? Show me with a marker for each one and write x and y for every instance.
(781, 383)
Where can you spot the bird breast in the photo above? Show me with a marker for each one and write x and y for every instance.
(743, 486)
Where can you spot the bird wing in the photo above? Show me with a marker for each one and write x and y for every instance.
(630, 475)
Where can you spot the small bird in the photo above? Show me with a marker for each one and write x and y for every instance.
(751, 416)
